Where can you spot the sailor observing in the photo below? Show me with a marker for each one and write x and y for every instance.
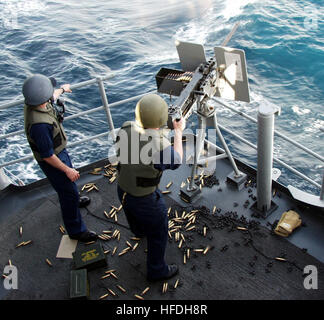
(47, 139)
(144, 153)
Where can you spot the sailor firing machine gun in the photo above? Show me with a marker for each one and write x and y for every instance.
(196, 88)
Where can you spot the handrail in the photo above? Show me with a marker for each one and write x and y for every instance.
(106, 106)
(297, 144)
(98, 80)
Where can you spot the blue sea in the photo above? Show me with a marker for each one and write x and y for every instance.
(78, 40)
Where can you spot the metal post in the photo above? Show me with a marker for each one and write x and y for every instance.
(265, 156)
(322, 190)
(106, 106)
(227, 151)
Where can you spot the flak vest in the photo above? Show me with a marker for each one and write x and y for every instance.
(35, 115)
(135, 149)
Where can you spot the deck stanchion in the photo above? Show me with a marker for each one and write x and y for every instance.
(265, 157)
(106, 106)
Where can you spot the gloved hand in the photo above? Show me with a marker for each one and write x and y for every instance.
(289, 221)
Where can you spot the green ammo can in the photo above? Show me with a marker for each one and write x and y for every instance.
(79, 284)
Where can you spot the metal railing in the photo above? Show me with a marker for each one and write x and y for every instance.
(106, 106)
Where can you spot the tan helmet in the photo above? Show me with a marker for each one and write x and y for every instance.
(151, 111)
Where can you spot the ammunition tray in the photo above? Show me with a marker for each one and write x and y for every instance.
(165, 83)
(89, 257)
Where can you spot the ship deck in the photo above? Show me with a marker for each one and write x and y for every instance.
(239, 264)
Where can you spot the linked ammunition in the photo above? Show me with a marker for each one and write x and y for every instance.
(121, 288)
(104, 296)
(145, 290)
(138, 297)
(49, 262)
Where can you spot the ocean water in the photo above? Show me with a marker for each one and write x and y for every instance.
(79, 40)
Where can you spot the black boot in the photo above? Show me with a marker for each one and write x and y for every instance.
(84, 201)
(85, 236)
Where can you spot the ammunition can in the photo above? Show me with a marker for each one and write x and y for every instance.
(79, 284)
(90, 258)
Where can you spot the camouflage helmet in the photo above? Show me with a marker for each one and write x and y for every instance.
(151, 111)
(37, 89)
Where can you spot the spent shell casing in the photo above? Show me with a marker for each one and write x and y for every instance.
(106, 214)
(138, 297)
(104, 296)
(105, 276)
(129, 244)
(182, 184)
(185, 200)
(176, 284)
(135, 239)
(9, 261)
(118, 236)
(184, 259)
(169, 184)
(205, 230)
(121, 288)
(214, 209)
(106, 231)
(135, 246)
(169, 210)
(114, 275)
(280, 259)
(199, 250)
(180, 244)
(90, 189)
(90, 242)
(20, 231)
(110, 271)
(112, 292)
(145, 290)
(106, 252)
(170, 236)
(120, 207)
(241, 228)
(166, 191)
(114, 251)
(206, 249)
(182, 237)
(188, 253)
(191, 228)
(49, 262)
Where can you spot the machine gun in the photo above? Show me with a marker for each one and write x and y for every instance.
(199, 81)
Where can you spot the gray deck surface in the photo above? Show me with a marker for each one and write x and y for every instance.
(235, 268)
